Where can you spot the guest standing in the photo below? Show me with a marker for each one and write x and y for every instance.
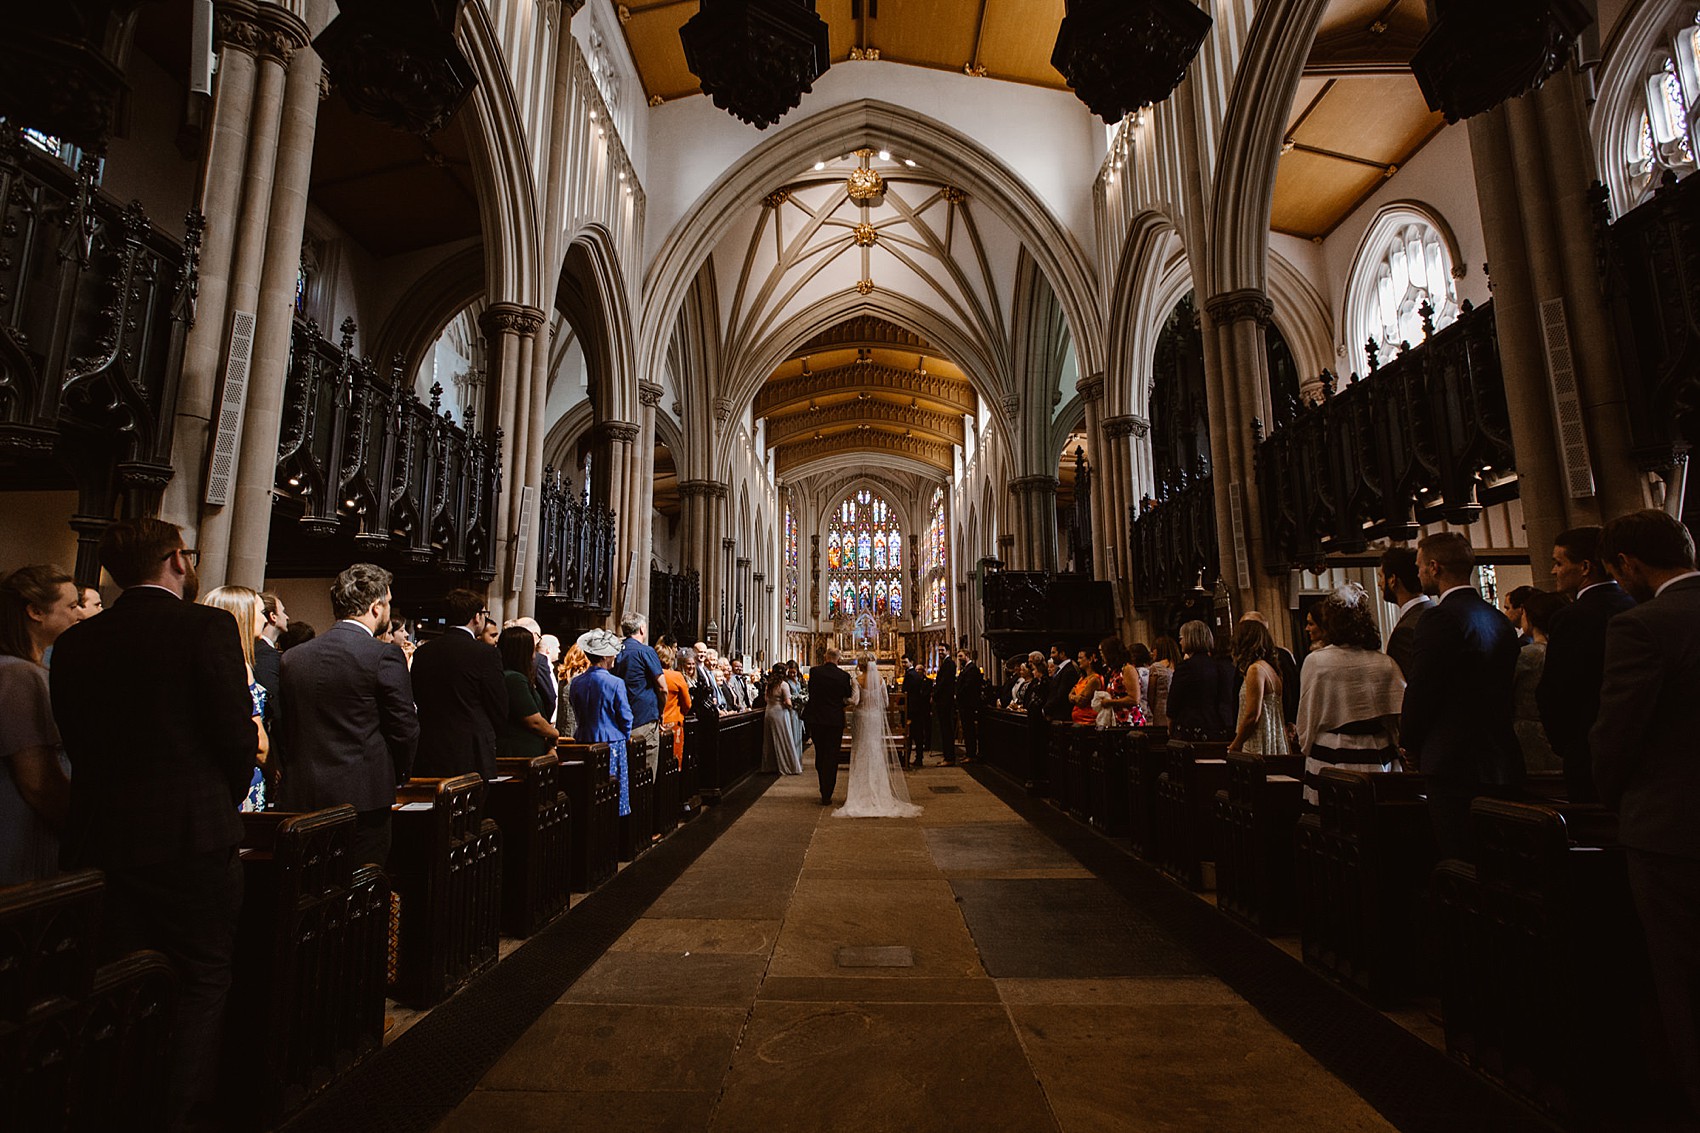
(572, 665)
(1350, 693)
(267, 656)
(524, 732)
(1569, 692)
(247, 608)
(1456, 723)
(1262, 726)
(1121, 681)
(1535, 610)
(676, 700)
(640, 668)
(829, 692)
(970, 691)
(1060, 685)
(1203, 694)
(1645, 762)
(918, 705)
(349, 726)
(779, 739)
(1401, 587)
(1140, 654)
(602, 708)
(1168, 655)
(1088, 683)
(459, 686)
(37, 604)
(944, 706)
(157, 812)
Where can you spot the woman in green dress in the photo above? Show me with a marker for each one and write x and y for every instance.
(524, 733)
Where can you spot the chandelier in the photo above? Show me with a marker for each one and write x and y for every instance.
(1476, 56)
(1119, 55)
(397, 61)
(865, 185)
(756, 58)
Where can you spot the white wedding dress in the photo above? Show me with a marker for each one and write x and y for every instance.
(877, 788)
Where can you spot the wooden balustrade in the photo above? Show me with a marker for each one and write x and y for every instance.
(575, 552)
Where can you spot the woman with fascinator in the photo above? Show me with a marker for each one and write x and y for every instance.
(1350, 693)
(877, 788)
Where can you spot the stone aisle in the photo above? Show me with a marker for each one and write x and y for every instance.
(953, 972)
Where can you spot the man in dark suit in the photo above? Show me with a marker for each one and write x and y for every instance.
(457, 683)
(153, 709)
(944, 706)
(918, 703)
(1458, 710)
(829, 692)
(1401, 587)
(1647, 762)
(970, 691)
(1060, 685)
(705, 690)
(348, 720)
(1569, 693)
(266, 655)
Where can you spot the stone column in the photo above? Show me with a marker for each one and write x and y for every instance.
(643, 494)
(744, 600)
(1036, 529)
(509, 329)
(536, 352)
(268, 373)
(615, 445)
(220, 199)
(1118, 433)
(1237, 383)
(1533, 191)
(1092, 393)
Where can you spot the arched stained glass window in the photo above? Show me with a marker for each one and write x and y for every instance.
(1662, 117)
(935, 606)
(833, 600)
(865, 556)
(1403, 264)
(793, 608)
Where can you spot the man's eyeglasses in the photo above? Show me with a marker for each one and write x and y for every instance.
(189, 553)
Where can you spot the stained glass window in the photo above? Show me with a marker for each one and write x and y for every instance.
(793, 608)
(1410, 266)
(934, 563)
(864, 557)
(1661, 123)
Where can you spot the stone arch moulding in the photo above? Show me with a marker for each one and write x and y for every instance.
(502, 168)
(746, 375)
(1071, 416)
(592, 295)
(1645, 33)
(1301, 314)
(842, 129)
(1259, 106)
(419, 318)
(1153, 264)
(1386, 219)
(561, 442)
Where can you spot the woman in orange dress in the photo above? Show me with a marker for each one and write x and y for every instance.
(678, 700)
(1091, 681)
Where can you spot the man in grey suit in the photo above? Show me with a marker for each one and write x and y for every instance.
(348, 720)
(1401, 587)
(1646, 754)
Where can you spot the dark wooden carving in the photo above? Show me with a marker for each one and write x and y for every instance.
(1426, 437)
(94, 306)
(397, 61)
(575, 570)
(59, 68)
(756, 58)
(367, 470)
(675, 605)
(1475, 56)
(1650, 263)
(1174, 542)
(1119, 55)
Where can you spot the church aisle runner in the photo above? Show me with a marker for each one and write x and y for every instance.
(959, 971)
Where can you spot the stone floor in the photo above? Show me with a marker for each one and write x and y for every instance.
(958, 971)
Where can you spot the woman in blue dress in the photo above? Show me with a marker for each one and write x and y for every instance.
(601, 709)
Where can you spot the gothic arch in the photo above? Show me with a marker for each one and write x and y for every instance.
(426, 308)
(1153, 273)
(1641, 35)
(592, 295)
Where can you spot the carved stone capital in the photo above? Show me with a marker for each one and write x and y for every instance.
(709, 488)
(1126, 425)
(727, 542)
(282, 33)
(743, 563)
(1029, 485)
(1090, 389)
(618, 432)
(1234, 306)
(510, 318)
(649, 394)
(236, 26)
(1011, 405)
(722, 409)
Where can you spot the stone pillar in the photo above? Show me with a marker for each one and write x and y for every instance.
(1533, 187)
(220, 199)
(509, 329)
(1036, 527)
(616, 442)
(643, 494)
(251, 496)
(743, 599)
(536, 353)
(1118, 433)
(1103, 476)
(700, 542)
(1236, 365)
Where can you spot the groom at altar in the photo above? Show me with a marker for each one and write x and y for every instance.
(829, 692)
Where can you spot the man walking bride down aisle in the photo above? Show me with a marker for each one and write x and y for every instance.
(877, 786)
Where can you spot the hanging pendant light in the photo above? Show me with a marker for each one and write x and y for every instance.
(756, 58)
(1120, 55)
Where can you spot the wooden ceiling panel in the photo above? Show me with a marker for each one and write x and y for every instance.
(1017, 40)
(653, 34)
(938, 33)
(1381, 118)
(1314, 193)
(1308, 92)
(1365, 33)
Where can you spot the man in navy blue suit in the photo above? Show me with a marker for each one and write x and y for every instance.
(1457, 717)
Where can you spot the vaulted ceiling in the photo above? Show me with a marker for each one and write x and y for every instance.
(1011, 39)
(865, 386)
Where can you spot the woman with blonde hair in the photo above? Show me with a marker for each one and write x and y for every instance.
(245, 606)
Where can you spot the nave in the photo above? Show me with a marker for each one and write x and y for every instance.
(772, 967)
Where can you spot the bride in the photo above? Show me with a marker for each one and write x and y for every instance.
(877, 789)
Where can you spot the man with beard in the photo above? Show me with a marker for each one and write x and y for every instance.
(153, 804)
(1400, 587)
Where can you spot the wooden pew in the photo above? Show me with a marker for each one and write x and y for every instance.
(637, 828)
(1001, 741)
(1362, 861)
(594, 796)
(1059, 736)
(446, 865)
(690, 792)
(1255, 819)
(668, 806)
(1075, 756)
(1108, 752)
(528, 800)
(727, 747)
(1185, 800)
(83, 1045)
(307, 1000)
(1145, 766)
(1543, 969)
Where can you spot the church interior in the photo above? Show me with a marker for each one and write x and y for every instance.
(900, 329)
